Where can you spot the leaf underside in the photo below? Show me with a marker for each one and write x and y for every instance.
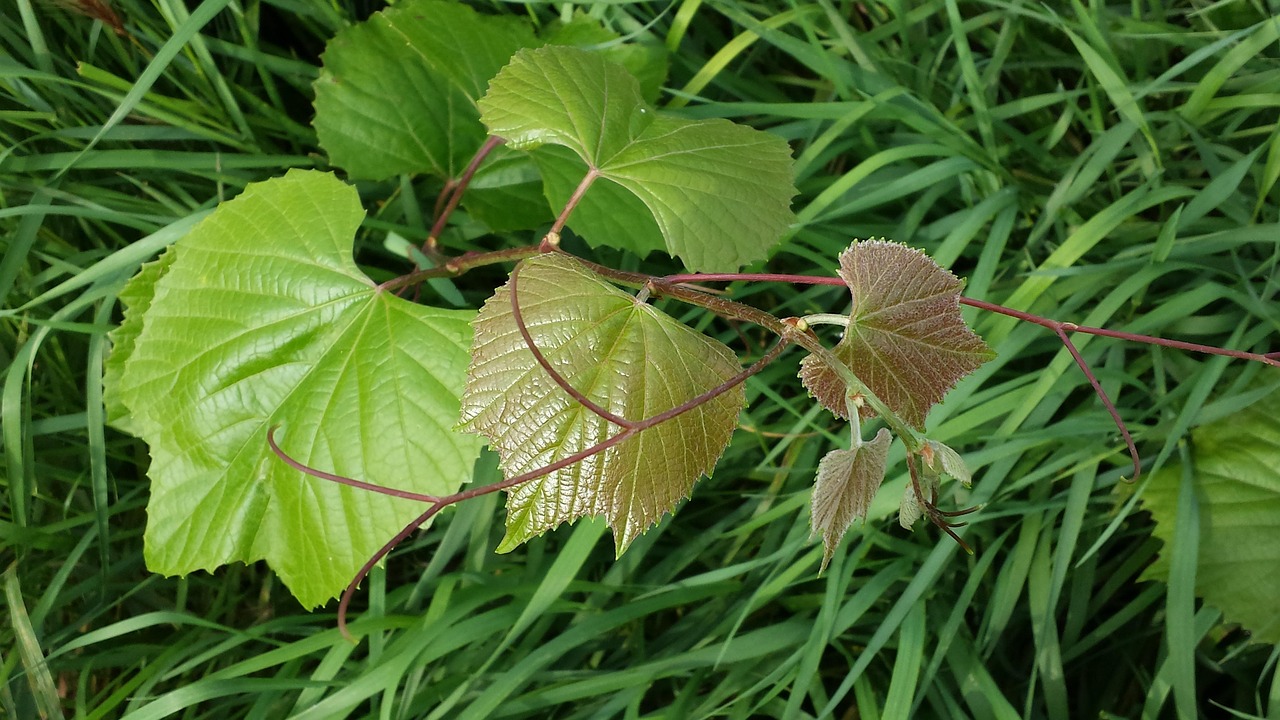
(719, 193)
(263, 318)
(906, 339)
(628, 358)
(1237, 479)
(847, 482)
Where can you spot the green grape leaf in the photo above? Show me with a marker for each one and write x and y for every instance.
(136, 299)
(1237, 478)
(623, 355)
(847, 482)
(262, 319)
(618, 218)
(719, 193)
(906, 339)
(397, 93)
(647, 62)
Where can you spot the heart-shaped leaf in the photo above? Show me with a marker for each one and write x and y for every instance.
(263, 318)
(719, 193)
(397, 93)
(847, 482)
(906, 339)
(622, 355)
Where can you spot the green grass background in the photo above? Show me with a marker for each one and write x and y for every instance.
(1114, 164)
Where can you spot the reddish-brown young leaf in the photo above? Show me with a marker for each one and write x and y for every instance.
(906, 339)
(847, 481)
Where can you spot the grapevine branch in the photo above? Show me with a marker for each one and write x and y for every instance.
(454, 189)
(1059, 328)
(680, 287)
(439, 503)
(683, 287)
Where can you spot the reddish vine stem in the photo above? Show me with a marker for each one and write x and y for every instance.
(341, 479)
(518, 316)
(1272, 358)
(930, 505)
(461, 264)
(439, 503)
(365, 569)
(574, 199)
(1060, 328)
(1106, 401)
(454, 190)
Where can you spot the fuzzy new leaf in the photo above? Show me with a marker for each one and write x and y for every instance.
(263, 318)
(940, 459)
(625, 356)
(847, 482)
(718, 193)
(906, 339)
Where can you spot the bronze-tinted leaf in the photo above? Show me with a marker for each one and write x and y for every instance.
(906, 339)
(626, 357)
(847, 481)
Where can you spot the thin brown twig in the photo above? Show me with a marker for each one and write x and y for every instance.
(1272, 359)
(1106, 400)
(1059, 328)
(462, 263)
(456, 188)
(341, 479)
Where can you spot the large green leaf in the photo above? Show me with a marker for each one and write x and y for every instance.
(136, 299)
(1237, 478)
(719, 193)
(263, 318)
(906, 339)
(617, 218)
(397, 92)
(623, 355)
(648, 62)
